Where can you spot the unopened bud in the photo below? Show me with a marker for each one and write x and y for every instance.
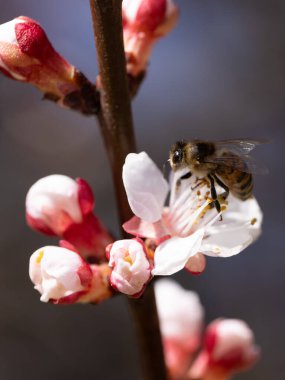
(181, 319)
(27, 55)
(61, 276)
(60, 206)
(131, 269)
(145, 21)
(228, 348)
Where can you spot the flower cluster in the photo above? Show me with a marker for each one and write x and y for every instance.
(57, 205)
(88, 266)
(60, 206)
(228, 345)
(180, 235)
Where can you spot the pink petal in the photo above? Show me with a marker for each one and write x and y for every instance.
(85, 196)
(138, 227)
(196, 264)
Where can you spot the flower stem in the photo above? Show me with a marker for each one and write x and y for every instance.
(115, 118)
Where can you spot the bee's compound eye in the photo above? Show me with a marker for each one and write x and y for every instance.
(177, 156)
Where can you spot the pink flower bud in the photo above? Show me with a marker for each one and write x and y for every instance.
(196, 264)
(144, 21)
(131, 268)
(228, 348)
(62, 276)
(181, 319)
(27, 55)
(58, 205)
(59, 274)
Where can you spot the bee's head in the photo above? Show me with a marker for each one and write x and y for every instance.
(177, 155)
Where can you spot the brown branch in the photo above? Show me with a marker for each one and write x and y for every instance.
(116, 124)
(115, 116)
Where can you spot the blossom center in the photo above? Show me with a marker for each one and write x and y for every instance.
(191, 206)
(128, 259)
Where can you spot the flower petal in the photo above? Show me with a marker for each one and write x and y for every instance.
(196, 264)
(145, 186)
(226, 243)
(180, 312)
(138, 227)
(238, 214)
(172, 255)
(240, 227)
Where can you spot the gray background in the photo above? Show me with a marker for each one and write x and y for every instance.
(220, 74)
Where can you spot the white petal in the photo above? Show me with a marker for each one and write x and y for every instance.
(54, 271)
(232, 334)
(239, 213)
(179, 310)
(226, 243)
(172, 255)
(130, 9)
(241, 225)
(145, 186)
(51, 194)
(7, 31)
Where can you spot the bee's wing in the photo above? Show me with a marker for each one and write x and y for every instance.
(243, 163)
(239, 146)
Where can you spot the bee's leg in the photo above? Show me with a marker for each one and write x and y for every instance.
(185, 176)
(198, 183)
(220, 183)
(214, 194)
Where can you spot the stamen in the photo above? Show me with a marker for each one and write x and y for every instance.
(186, 224)
(128, 259)
(181, 199)
(175, 214)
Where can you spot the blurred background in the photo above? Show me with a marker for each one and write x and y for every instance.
(220, 74)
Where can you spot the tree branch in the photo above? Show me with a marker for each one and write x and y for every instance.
(116, 124)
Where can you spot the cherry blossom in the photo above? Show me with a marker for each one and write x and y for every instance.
(189, 224)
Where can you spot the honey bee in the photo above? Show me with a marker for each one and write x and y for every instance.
(225, 163)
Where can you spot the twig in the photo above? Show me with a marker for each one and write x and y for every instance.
(115, 120)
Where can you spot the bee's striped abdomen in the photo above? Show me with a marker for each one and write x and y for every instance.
(240, 183)
(243, 185)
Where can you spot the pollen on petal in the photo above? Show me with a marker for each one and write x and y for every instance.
(40, 256)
